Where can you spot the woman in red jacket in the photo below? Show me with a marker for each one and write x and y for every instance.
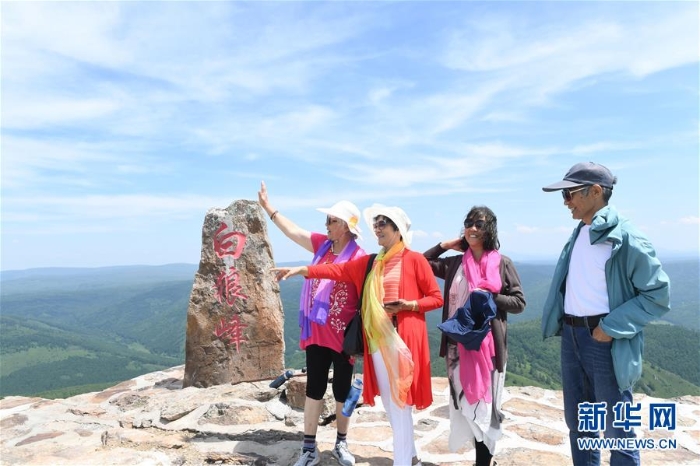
(399, 289)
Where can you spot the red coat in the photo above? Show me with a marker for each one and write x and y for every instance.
(417, 283)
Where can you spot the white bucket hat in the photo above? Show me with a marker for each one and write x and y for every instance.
(347, 212)
(396, 214)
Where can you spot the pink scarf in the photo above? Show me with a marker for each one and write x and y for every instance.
(475, 367)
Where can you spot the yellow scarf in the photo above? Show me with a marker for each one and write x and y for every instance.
(380, 332)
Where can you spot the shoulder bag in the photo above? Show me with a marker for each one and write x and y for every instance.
(354, 340)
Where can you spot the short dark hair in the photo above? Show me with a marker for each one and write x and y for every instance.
(490, 229)
(607, 193)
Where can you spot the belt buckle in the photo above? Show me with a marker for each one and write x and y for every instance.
(585, 322)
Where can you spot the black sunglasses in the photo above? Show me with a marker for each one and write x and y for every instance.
(379, 225)
(567, 194)
(479, 224)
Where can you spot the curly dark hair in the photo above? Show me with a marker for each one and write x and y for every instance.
(490, 229)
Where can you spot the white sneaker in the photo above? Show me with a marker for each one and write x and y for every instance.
(308, 458)
(342, 454)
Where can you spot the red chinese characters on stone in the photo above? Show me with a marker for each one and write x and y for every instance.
(228, 244)
(228, 288)
(231, 332)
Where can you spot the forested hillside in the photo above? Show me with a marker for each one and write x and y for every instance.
(68, 331)
(40, 358)
(671, 363)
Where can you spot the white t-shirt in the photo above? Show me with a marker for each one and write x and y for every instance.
(586, 289)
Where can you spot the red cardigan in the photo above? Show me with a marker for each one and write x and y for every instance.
(417, 283)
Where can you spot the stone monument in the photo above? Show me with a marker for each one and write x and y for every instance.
(235, 321)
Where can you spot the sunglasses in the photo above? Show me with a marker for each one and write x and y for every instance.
(567, 194)
(479, 224)
(380, 224)
(330, 220)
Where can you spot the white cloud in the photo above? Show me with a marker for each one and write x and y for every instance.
(604, 146)
(461, 162)
(296, 122)
(378, 95)
(529, 230)
(134, 169)
(112, 207)
(505, 116)
(543, 59)
(690, 220)
(23, 112)
(45, 163)
(331, 100)
(65, 29)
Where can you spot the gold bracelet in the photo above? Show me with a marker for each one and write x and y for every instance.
(415, 306)
(274, 214)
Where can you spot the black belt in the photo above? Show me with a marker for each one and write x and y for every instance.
(586, 321)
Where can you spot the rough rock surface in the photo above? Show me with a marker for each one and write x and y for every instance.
(152, 420)
(235, 322)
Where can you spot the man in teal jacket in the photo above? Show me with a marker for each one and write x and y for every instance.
(607, 286)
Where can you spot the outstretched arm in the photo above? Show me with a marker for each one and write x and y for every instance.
(283, 273)
(290, 229)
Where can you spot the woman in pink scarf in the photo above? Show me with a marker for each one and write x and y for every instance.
(325, 308)
(477, 377)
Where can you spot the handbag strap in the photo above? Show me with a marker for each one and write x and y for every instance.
(362, 291)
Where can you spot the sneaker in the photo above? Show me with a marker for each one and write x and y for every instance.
(309, 458)
(342, 454)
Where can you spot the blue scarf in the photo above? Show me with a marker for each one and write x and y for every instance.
(315, 308)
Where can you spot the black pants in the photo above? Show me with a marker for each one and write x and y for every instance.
(318, 363)
(483, 455)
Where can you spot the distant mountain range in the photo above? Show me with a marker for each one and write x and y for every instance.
(68, 331)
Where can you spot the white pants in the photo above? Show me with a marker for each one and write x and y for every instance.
(401, 419)
(476, 422)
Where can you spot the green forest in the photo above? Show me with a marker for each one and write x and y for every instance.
(69, 331)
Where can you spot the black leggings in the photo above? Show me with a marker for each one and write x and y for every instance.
(318, 363)
(483, 455)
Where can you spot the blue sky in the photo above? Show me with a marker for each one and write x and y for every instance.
(124, 122)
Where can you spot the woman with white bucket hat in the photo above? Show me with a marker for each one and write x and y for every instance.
(326, 307)
(398, 291)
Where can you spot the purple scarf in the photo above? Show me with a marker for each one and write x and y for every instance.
(318, 311)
